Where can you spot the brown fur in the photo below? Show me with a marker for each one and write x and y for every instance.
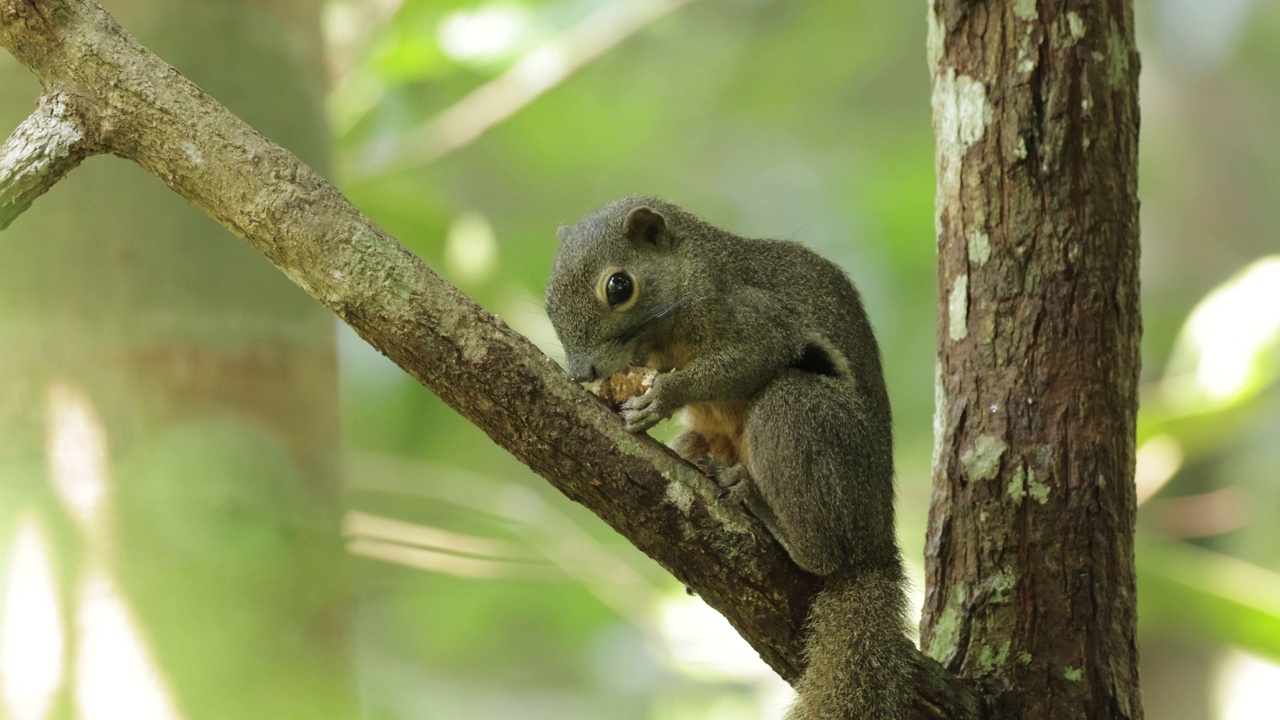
(722, 425)
(767, 347)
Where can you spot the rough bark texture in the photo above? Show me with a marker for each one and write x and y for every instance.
(211, 382)
(44, 148)
(1030, 541)
(493, 376)
(151, 114)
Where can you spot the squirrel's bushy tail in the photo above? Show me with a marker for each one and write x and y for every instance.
(858, 662)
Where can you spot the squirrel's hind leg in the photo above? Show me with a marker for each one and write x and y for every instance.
(691, 445)
(803, 451)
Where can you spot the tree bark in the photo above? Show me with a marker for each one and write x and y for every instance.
(493, 376)
(1030, 542)
(149, 113)
(209, 381)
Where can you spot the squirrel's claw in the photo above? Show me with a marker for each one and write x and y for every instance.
(732, 488)
(730, 483)
(735, 494)
(709, 466)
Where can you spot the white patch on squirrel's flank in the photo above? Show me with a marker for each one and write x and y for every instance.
(979, 247)
(982, 460)
(958, 309)
(680, 495)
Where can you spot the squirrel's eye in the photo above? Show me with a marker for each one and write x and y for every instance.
(618, 289)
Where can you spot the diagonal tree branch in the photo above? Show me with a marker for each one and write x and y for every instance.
(147, 112)
(44, 148)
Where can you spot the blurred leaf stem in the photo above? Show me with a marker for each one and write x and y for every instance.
(540, 70)
(542, 527)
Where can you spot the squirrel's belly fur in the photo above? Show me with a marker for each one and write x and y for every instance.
(723, 426)
(767, 347)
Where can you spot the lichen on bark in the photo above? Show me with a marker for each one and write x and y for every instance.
(1035, 110)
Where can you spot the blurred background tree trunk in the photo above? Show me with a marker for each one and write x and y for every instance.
(169, 420)
(1030, 543)
(788, 81)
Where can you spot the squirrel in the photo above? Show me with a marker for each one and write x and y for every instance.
(767, 347)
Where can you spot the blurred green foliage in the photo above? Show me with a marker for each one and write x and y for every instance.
(479, 592)
(808, 121)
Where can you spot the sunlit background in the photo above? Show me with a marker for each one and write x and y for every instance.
(216, 501)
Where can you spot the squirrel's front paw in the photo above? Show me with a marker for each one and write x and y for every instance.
(644, 411)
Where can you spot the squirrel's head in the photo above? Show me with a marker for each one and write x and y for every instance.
(615, 284)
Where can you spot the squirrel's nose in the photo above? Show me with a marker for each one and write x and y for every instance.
(582, 375)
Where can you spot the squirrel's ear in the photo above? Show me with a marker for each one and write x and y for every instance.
(645, 225)
(562, 232)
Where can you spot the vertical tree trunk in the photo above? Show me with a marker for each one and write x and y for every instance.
(205, 524)
(1030, 541)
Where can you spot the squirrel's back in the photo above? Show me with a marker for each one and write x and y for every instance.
(768, 348)
(819, 292)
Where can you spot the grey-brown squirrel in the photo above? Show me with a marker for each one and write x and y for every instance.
(767, 347)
